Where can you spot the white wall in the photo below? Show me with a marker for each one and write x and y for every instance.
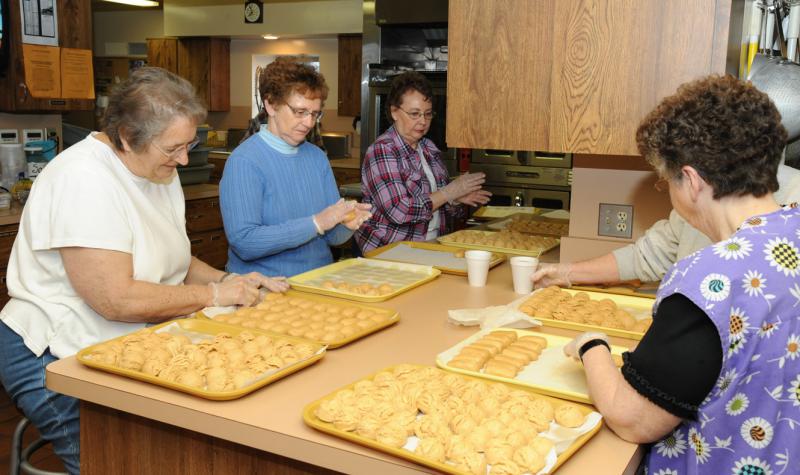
(296, 19)
(112, 30)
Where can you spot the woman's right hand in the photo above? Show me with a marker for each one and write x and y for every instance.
(238, 291)
(552, 274)
(463, 185)
(334, 214)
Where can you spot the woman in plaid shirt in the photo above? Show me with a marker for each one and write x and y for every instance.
(403, 176)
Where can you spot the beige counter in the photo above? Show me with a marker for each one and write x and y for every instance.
(11, 215)
(270, 419)
(346, 163)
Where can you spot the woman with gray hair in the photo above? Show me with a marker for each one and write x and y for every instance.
(102, 248)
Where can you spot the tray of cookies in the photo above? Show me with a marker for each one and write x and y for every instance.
(325, 320)
(505, 241)
(364, 280)
(447, 259)
(204, 358)
(455, 423)
(625, 316)
(529, 224)
(495, 212)
(532, 359)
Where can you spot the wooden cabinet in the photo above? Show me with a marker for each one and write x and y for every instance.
(74, 31)
(205, 62)
(206, 235)
(572, 75)
(349, 75)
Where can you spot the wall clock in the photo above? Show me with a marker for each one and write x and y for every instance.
(253, 12)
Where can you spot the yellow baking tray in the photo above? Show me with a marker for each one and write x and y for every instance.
(494, 212)
(448, 240)
(553, 374)
(639, 306)
(310, 418)
(393, 317)
(402, 276)
(208, 328)
(454, 253)
(501, 224)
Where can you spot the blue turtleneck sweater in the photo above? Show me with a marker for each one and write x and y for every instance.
(268, 195)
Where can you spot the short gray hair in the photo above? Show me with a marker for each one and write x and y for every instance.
(143, 106)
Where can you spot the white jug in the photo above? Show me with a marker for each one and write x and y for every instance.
(12, 163)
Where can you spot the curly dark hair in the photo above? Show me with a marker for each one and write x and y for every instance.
(407, 82)
(726, 129)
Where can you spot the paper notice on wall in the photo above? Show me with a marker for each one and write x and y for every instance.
(77, 75)
(42, 70)
(39, 22)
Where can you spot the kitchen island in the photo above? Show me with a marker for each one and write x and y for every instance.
(134, 427)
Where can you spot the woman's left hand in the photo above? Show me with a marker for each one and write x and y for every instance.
(572, 348)
(273, 284)
(476, 198)
(360, 214)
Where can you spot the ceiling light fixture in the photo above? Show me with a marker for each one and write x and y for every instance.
(270, 37)
(136, 3)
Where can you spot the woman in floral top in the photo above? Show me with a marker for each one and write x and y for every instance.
(714, 384)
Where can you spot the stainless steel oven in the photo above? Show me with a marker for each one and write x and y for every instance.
(379, 120)
(513, 157)
(525, 196)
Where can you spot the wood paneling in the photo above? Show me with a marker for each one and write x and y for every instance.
(572, 75)
(349, 75)
(120, 443)
(74, 31)
(204, 62)
(206, 235)
(163, 53)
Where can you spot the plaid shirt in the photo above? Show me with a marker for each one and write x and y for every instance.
(394, 183)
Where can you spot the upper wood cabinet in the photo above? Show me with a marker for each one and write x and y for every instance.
(205, 62)
(573, 75)
(74, 31)
(349, 75)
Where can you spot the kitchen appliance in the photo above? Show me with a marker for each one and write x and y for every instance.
(410, 12)
(520, 178)
(379, 121)
(533, 159)
(337, 145)
(12, 163)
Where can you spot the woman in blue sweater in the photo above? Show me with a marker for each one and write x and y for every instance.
(279, 200)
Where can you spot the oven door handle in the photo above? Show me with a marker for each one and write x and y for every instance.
(533, 175)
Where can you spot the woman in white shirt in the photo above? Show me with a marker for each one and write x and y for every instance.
(102, 248)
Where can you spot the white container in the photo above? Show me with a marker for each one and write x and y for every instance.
(477, 267)
(12, 163)
(522, 268)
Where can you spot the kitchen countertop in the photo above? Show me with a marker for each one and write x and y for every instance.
(11, 215)
(270, 419)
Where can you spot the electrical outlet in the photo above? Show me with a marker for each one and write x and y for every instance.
(615, 221)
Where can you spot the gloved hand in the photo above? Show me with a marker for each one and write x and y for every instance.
(334, 214)
(236, 291)
(571, 349)
(463, 185)
(356, 218)
(476, 198)
(273, 284)
(552, 274)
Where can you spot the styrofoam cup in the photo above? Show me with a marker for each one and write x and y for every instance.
(477, 267)
(522, 267)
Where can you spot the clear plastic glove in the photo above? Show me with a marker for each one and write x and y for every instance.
(273, 284)
(236, 291)
(463, 185)
(571, 348)
(552, 274)
(476, 198)
(356, 218)
(334, 214)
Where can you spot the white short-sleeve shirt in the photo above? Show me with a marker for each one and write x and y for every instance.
(86, 197)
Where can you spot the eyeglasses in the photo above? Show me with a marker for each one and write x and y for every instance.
(417, 115)
(176, 152)
(303, 113)
(661, 185)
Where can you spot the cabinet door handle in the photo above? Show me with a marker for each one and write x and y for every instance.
(216, 237)
(196, 216)
(195, 242)
(24, 88)
(8, 234)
